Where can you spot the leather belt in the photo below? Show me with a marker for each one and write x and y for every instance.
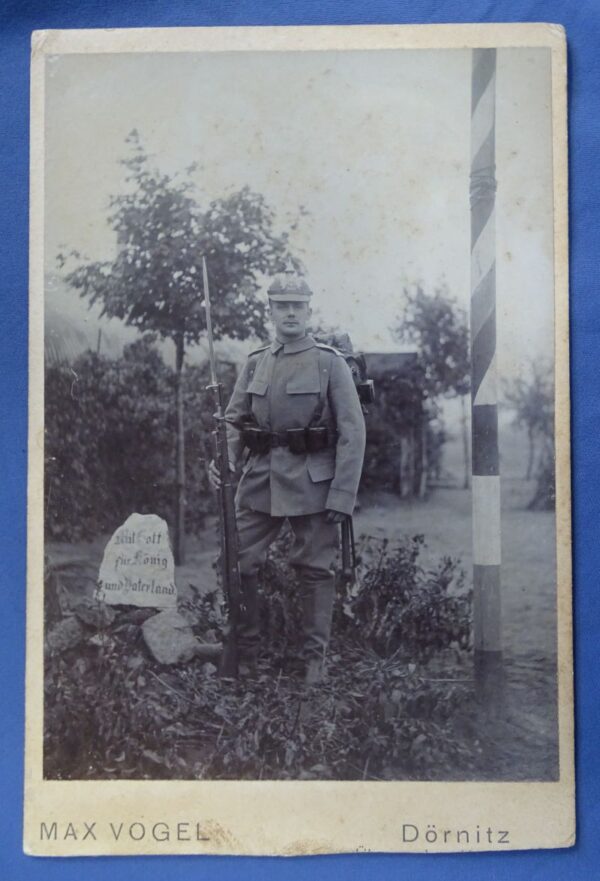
(298, 440)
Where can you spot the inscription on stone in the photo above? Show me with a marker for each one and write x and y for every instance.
(137, 568)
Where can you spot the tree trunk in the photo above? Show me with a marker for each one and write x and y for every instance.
(544, 498)
(179, 536)
(422, 482)
(530, 439)
(406, 465)
(465, 442)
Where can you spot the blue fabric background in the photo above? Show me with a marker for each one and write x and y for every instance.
(582, 21)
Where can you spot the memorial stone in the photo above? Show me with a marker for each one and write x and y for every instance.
(137, 568)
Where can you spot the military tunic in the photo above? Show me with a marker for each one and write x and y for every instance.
(282, 386)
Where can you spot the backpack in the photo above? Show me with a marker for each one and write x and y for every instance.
(356, 362)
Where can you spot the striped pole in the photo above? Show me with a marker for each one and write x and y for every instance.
(484, 395)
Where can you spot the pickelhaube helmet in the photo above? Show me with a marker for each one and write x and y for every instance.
(289, 286)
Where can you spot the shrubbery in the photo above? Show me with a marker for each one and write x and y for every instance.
(110, 441)
(404, 610)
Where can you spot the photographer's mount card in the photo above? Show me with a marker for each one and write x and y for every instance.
(299, 554)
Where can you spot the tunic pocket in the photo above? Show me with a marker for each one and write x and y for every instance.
(304, 380)
(258, 387)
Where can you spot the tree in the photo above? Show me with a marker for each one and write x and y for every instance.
(531, 397)
(438, 327)
(154, 280)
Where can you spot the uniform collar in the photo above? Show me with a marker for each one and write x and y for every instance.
(294, 346)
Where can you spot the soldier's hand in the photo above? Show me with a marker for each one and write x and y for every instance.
(335, 516)
(214, 475)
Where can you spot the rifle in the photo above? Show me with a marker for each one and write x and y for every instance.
(230, 572)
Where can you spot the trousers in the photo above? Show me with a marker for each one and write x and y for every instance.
(312, 556)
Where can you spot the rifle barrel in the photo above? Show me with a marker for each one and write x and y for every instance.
(209, 331)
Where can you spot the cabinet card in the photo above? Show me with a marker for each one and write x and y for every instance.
(302, 584)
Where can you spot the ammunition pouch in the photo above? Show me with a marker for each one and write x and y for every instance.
(256, 439)
(317, 439)
(298, 440)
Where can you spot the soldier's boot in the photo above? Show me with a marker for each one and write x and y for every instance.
(317, 606)
(248, 629)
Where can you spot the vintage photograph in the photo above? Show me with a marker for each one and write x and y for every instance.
(299, 416)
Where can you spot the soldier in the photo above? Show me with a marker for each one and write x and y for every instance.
(296, 411)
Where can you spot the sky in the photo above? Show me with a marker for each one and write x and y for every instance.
(374, 145)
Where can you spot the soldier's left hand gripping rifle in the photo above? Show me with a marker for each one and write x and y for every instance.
(230, 572)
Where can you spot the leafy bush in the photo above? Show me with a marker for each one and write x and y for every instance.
(402, 609)
(110, 441)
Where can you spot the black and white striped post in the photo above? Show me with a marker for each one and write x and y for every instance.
(487, 622)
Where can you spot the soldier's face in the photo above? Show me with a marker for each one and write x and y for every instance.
(290, 319)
